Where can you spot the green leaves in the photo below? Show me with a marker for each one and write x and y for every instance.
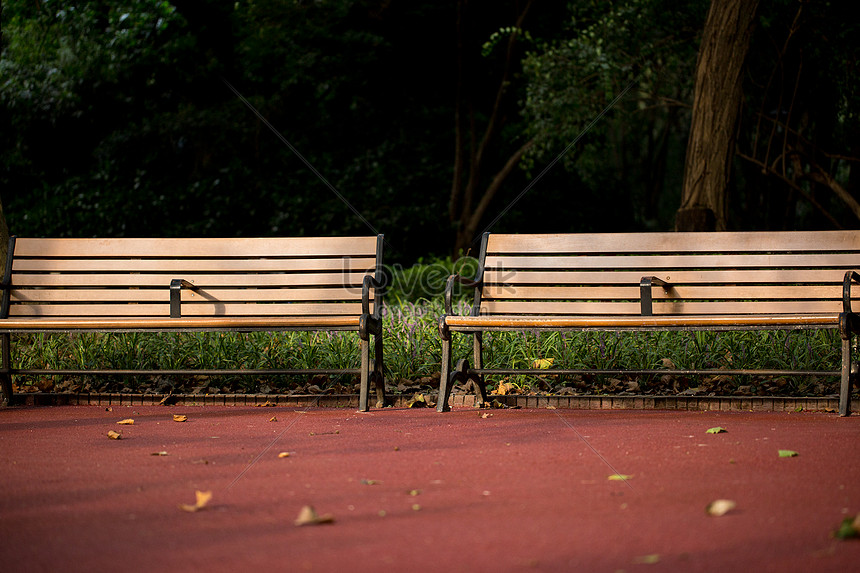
(716, 430)
(788, 454)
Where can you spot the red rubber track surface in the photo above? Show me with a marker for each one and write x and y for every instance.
(414, 490)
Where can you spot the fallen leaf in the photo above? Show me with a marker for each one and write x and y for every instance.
(126, 422)
(114, 435)
(619, 477)
(414, 492)
(849, 528)
(720, 507)
(267, 404)
(309, 516)
(202, 498)
(417, 401)
(486, 415)
(284, 455)
(788, 454)
(648, 559)
(180, 418)
(273, 419)
(159, 454)
(542, 363)
(716, 430)
(369, 482)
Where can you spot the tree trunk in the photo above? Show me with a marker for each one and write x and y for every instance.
(716, 107)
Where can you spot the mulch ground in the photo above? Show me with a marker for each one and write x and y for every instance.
(402, 489)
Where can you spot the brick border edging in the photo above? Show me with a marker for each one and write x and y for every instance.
(715, 403)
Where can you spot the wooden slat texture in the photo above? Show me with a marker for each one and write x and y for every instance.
(191, 265)
(351, 279)
(736, 261)
(710, 273)
(725, 292)
(725, 242)
(187, 295)
(164, 323)
(221, 247)
(254, 279)
(602, 321)
(202, 309)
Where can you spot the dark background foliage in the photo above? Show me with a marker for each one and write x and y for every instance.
(117, 119)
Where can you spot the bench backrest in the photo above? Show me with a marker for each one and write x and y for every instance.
(315, 276)
(710, 273)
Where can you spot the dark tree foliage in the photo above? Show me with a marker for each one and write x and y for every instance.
(429, 118)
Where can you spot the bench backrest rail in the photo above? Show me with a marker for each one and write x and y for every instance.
(319, 276)
(730, 273)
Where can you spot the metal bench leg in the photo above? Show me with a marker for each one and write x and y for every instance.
(444, 378)
(5, 375)
(847, 375)
(478, 355)
(365, 375)
(378, 376)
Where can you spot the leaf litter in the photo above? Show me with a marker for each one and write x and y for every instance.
(202, 499)
(309, 516)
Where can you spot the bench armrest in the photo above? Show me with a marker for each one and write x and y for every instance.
(369, 282)
(850, 277)
(176, 286)
(449, 290)
(645, 300)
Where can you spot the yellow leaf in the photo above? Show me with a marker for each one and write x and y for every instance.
(126, 422)
(309, 516)
(273, 419)
(162, 453)
(180, 418)
(202, 498)
(648, 559)
(619, 477)
(284, 455)
(114, 435)
(543, 363)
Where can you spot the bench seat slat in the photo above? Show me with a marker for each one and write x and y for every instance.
(828, 320)
(656, 262)
(165, 323)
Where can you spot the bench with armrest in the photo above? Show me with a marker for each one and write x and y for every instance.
(657, 282)
(201, 284)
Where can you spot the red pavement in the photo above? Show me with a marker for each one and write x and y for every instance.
(414, 490)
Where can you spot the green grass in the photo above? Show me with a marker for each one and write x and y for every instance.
(412, 352)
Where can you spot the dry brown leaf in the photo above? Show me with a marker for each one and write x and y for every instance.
(162, 453)
(202, 498)
(180, 418)
(114, 435)
(309, 516)
(126, 422)
(273, 419)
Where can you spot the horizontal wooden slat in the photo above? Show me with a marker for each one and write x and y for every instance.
(675, 242)
(725, 292)
(187, 295)
(778, 261)
(733, 321)
(164, 323)
(686, 277)
(196, 247)
(202, 309)
(352, 279)
(661, 307)
(191, 265)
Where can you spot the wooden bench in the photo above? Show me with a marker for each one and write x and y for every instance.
(182, 285)
(656, 282)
